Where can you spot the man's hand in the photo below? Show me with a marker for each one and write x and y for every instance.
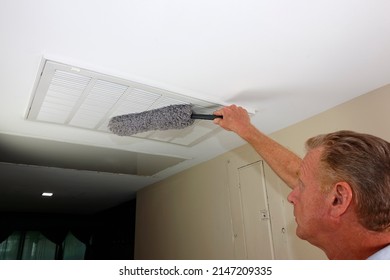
(235, 119)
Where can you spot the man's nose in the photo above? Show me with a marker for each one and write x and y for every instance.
(291, 197)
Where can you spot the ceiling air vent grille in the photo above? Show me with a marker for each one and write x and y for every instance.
(82, 98)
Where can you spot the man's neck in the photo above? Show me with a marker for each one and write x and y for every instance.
(357, 245)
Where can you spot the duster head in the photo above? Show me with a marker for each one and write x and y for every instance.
(170, 117)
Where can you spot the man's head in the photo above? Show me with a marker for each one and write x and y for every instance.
(363, 162)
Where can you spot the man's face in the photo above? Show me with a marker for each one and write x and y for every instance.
(308, 200)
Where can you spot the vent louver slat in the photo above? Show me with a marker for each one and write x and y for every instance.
(101, 98)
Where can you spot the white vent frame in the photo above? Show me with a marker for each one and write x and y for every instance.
(73, 96)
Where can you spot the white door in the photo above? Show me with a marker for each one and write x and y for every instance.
(255, 212)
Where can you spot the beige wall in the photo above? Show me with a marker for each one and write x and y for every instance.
(191, 215)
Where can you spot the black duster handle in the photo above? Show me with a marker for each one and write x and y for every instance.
(204, 117)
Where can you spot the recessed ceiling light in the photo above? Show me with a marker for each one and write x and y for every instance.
(47, 194)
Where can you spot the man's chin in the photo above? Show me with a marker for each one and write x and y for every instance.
(300, 233)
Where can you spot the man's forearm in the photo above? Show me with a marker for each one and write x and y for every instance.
(282, 161)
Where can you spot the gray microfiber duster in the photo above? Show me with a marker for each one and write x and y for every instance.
(170, 117)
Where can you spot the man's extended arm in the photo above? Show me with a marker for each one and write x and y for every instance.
(282, 161)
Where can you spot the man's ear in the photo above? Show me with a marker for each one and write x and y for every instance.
(341, 198)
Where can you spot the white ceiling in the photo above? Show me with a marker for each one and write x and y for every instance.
(288, 60)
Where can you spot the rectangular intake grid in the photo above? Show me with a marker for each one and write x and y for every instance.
(72, 96)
